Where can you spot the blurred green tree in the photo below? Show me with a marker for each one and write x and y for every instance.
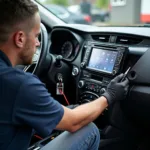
(102, 3)
(59, 2)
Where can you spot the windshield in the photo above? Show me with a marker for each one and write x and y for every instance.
(101, 12)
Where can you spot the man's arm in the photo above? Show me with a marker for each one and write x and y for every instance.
(74, 119)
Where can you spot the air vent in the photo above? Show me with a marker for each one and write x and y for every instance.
(128, 40)
(101, 38)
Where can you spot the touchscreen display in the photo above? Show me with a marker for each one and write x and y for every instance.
(102, 60)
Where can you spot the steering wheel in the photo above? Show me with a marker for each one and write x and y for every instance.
(47, 63)
(40, 56)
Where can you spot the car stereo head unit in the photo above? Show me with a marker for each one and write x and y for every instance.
(104, 59)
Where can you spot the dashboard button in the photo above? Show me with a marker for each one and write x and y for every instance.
(82, 64)
(114, 72)
(81, 84)
(102, 90)
(75, 71)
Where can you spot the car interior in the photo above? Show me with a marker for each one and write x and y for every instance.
(81, 60)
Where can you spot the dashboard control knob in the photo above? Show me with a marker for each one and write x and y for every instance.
(114, 72)
(81, 84)
(102, 90)
(75, 71)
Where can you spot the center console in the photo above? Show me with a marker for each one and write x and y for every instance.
(100, 63)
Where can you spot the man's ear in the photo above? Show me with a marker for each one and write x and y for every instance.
(19, 39)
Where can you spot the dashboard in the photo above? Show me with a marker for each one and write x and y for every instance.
(97, 54)
(66, 45)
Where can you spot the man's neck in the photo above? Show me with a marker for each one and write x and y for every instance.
(10, 54)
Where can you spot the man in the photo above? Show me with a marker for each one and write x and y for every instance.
(25, 102)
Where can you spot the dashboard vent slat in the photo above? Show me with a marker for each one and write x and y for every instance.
(127, 40)
(101, 38)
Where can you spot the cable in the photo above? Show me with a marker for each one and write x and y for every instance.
(37, 136)
(64, 96)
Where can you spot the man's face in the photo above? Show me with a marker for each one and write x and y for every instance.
(31, 43)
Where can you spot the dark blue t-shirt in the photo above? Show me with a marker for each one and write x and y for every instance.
(25, 104)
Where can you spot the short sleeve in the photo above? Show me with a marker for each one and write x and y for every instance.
(35, 107)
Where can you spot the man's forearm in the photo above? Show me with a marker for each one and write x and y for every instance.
(74, 119)
(86, 113)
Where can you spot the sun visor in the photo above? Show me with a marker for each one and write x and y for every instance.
(140, 72)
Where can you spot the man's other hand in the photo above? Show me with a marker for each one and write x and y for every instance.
(116, 89)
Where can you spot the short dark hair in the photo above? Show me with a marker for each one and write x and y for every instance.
(13, 12)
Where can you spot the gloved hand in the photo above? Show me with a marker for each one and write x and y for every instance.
(116, 90)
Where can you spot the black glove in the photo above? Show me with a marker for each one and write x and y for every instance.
(116, 90)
